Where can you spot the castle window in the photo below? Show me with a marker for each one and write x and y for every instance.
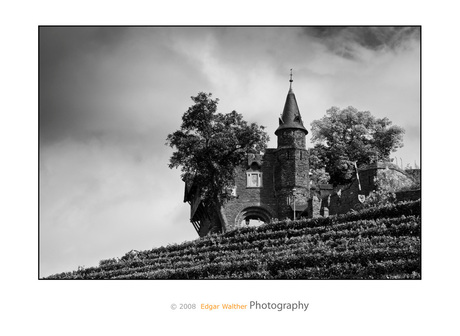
(254, 180)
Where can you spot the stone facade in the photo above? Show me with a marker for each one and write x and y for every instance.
(253, 202)
(268, 185)
(265, 188)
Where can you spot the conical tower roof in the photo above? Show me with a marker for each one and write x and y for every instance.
(291, 118)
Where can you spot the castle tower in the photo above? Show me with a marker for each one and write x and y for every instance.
(292, 184)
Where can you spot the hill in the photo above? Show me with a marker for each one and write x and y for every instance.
(376, 243)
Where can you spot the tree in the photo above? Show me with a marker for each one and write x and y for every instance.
(210, 145)
(346, 136)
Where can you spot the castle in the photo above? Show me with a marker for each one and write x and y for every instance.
(276, 184)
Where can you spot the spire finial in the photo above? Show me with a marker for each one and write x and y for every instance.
(290, 81)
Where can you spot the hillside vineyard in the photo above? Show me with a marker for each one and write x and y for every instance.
(377, 243)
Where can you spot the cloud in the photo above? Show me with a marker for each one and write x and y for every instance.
(109, 80)
(351, 42)
(95, 197)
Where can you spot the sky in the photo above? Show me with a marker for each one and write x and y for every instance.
(108, 98)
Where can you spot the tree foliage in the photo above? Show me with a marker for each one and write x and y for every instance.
(346, 136)
(210, 145)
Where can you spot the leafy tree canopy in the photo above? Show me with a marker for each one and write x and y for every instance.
(345, 136)
(210, 145)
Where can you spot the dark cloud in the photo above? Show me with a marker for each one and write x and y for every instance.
(344, 41)
(67, 56)
(110, 80)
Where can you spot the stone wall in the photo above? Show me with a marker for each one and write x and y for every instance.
(283, 169)
(291, 172)
(290, 138)
(344, 201)
(348, 198)
(253, 197)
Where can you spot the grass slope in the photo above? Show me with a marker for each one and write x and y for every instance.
(377, 243)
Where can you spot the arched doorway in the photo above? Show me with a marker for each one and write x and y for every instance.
(253, 216)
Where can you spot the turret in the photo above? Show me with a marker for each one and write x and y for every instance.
(292, 182)
(291, 131)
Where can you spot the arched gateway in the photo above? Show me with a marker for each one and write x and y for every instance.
(254, 213)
